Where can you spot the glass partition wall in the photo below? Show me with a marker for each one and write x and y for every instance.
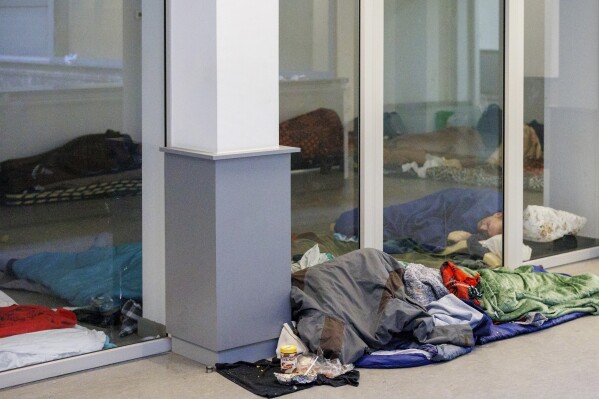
(445, 186)
(318, 112)
(70, 177)
(561, 114)
(71, 139)
(443, 100)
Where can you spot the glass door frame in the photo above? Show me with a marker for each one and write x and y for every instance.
(372, 33)
(513, 165)
(371, 137)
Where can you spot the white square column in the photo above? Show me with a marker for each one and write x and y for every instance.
(227, 182)
(223, 68)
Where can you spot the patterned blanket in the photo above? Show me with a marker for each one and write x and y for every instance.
(480, 176)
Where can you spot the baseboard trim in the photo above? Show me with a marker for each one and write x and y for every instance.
(566, 258)
(207, 357)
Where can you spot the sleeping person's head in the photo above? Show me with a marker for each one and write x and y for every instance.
(491, 225)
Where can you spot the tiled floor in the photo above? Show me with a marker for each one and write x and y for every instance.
(560, 362)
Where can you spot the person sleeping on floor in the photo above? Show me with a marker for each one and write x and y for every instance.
(470, 217)
(87, 155)
(431, 220)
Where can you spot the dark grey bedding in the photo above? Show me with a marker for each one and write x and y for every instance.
(357, 302)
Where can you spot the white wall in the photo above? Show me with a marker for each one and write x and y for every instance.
(487, 21)
(429, 60)
(32, 122)
(534, 38)
(347, 54)
(43, 105)
(295, 51)
(572, 116)
(324, 45)
(307, 48)
(95, 28)
(421, 51)
(405, 51)
(24, 28)
(40, 28)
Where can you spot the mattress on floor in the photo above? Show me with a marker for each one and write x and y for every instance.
(43, 346)
(103, 186)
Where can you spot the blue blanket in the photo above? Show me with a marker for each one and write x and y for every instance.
(428, 220)
(509, 330)
(105, 276)
(489, 333)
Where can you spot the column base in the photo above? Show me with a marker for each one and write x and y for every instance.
(249, 353)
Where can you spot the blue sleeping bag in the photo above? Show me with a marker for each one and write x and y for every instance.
(509, 330)
(413, 358)
(494, 332)
(105, 275)
(393, 361)
(428, 220)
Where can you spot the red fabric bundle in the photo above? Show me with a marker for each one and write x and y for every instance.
(459, 283)
(21, 319)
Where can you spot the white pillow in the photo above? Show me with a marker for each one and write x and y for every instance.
(543, 224)
(495, 245)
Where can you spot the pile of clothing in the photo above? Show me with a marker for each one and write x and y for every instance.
(367, 308)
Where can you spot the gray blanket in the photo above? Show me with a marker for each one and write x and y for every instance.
(357, 302)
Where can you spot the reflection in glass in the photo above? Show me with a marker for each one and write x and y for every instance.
(442, 130)
(561, 112)
(70, 176)
(318, 113)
